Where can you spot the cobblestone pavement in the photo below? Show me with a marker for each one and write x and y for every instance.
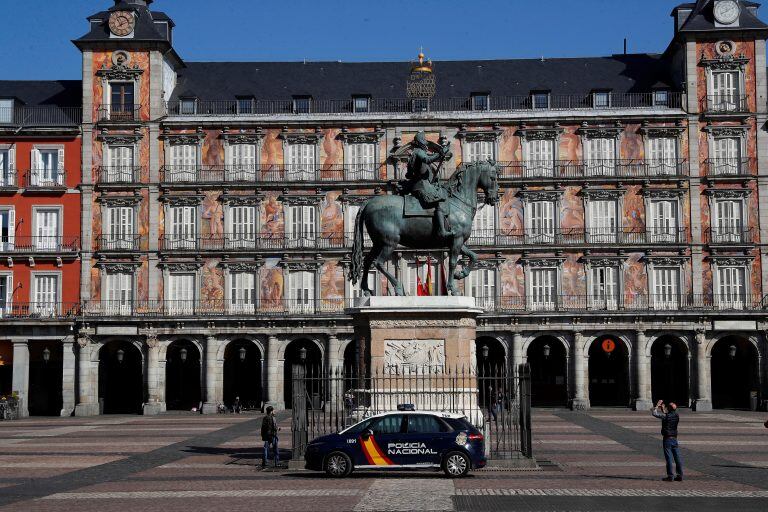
(608, 459)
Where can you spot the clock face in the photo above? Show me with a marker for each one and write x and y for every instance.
(727, 12)
(121, 23)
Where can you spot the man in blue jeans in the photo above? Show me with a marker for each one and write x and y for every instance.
(669, 421)
(269, 436)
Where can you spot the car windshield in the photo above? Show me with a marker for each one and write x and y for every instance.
(358, 427)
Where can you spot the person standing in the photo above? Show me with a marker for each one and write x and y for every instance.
(669, 422)
(269, 436)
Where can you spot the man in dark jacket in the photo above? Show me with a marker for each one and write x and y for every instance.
(269, 436)
(669, 421)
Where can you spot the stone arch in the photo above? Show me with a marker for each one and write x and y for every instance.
(289, 355)
(183, 373)
(683, 336)
(609, 372)
(120, 376)
(498, 353)
(6, 369)
(224, 343)
(735, 371)
(548, 358)
(562, 337)
(242, 366)
(670, 359)
(170, 340)
(320, 344)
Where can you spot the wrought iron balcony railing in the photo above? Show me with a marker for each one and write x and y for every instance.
(579, 236)
(730, 235)
(38, 310)
(725, 103)
(255, 241)
(120, 113)
(725, 167)
(124, 174)
(40, 116)
(605, 168)
(119, 243)
(270, 173)
(40, 244)
(45, 179)
(8, 178)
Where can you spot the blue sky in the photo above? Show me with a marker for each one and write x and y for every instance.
(36, 45)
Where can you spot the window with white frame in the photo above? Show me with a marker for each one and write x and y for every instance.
(6, 111)
(8, 167)
(480, 151)
(246, 105)
(731, 287)
(48, 167)
(187, 106)
(664, 225)
(180, 294)
(120, 228)
(480, 102)
(484, 226)
(302, 105)
(662, 155)
(243, 291)
(601, 99)
(603, 287)
(355, 290)
(602, 220)
(118, 293)
(665, 287)
(727, 155)
(540, 222)
(661, 98)
(121, 100)
(542, 288)
(361, 161)
(7, 228)
(424, 274)
(120, 167)
(182, 227)
(6, 294)
(45, 294)
(361, 104)
(301, 225)
(540, 158)
(242, 225)
(600, 156)
(47, 222)
(725, 95)
(300, 162)
(301, 291)
(540, 100)
(481, 284)
(183, 163)
(241, 162)
(351, 211)
(728, 221)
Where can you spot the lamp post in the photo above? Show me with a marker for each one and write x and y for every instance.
(547, 351)
(120, 354)
(242, 353)
(46, 355)
(183, 358)
(667, 350)
(732, 352)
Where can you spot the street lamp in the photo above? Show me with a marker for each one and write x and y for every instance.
(667, 350)
(303, 355)
(732, 352)
(120, 355)
(484, 351)
(242, 352)
(547, 351)
(46, 355)
(183, 354)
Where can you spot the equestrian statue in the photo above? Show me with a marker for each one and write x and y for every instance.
(424, 213)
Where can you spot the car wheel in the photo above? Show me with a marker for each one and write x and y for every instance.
(456, 464)
(338, 465)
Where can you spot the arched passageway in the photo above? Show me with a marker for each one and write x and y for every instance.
(307, 354)
(670, 371)
(549, 372)
(608, 372)
(182, 376)
(45, 371)
(6, 368)
(491, 367)
(734, 373)
(121, 384)
(242, 374)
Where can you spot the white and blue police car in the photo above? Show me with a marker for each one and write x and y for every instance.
(402, 439)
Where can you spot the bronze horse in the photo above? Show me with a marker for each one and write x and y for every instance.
(383, 217)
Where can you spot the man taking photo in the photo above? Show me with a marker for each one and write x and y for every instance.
(669, 421)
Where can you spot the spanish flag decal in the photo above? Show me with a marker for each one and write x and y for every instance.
(373, 454)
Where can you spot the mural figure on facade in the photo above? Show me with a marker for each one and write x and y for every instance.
(424, 214)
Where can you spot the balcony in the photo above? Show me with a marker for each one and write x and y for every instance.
(8, 180)
(573, 169)
(39, 310)
(233, 108)
(119, 175)
(59, 245)
(229, 242)
(215, 307)
(730, 236)
(120, 113)
(45, 180)
(725, 104)
(579, 236)
(728, 167)
(40, 116)
(180, 175)
(119, 243)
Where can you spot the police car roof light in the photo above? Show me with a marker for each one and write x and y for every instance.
(406, 407)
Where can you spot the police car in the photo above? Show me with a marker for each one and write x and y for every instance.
(404, 439)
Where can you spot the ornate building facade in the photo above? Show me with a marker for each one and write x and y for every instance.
(624, 260)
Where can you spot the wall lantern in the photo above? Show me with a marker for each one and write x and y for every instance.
(120, 355)
(303, 354)
(46, 354)
(242, 353)
(183, 354)
(484, 352)
(547, 351)
(667, 350)
(732, 351)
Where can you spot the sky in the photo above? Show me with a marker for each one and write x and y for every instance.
(37, 43)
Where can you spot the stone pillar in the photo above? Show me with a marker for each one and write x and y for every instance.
(703, 401)
(69, 368)
(518, 357)
(210, 405)
(580, 400)
(155, 403)
(21, 376)
(274, 391)
(643, 372)
(87, 385)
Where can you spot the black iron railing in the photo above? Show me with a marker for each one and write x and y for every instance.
(579, 236)
(117, 243)
(729, 235)
(44, 115)
(120, 113)
(724, 167)
(39, 244)
(45, 179)
(119, 174)
(8, 178)
(216, 307)
(270, 173)
(725, 103)
(39, 310)
(606, 168)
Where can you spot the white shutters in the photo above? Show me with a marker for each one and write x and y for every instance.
(49, 167)
(351, 211)
(603, 287)
(727, 155)
(6, 294)
(362, 161)
(481, 284)
(183, 227)
(541, 158)
(7, 167)
(300, 162)
(540, 221)
(183, 163)
(662, 156)
(666, 287)
(120, 227)
(480, 151)
(731, 287)
(373, 285)
(242, 226)
(542, 288)
(728, 222)
(664, 225)
(45, 294)
(725, 91)
(119, 293)
(120, 168)
(7, 229)
(484, 226)
(301, 226)
(181, 293)
(242, 294)
(603, 222)
(46, 229)
(302, 292)
(600, 157)
(242, 162)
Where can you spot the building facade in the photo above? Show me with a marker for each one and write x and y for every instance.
(624, 260)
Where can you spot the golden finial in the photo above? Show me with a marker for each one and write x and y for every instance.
(421, 66)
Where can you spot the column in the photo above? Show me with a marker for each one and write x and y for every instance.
(87, 405)
(21, 376)
(210, 405)
(517, 350)
(69, 368)
(703, 401)
(643, 372)
(274, 397)
(155, 404)
(580, 399)
(335, 366)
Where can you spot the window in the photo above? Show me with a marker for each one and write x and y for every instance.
(725, 91)
(355, 290)
(541, 158)
(46, 229)
(362, 161)
(45, 294)
(301, 162)
(6, 294)
(540, 222)
(301, 226)
(7, 167)
(663, 225)
(242, 162)
(119, 293)
(481, 284)
(48, 167)
(420, 104)
(391, 424)
(662, 156)
(120, 168)
(666, 288)
(731, 287)
(484, 226)
(181, 293)
(183, 163)
(7, 229)
(601, 99)
(480, 151)
(6, 111)
(603, 221)
(242, 294)
(480, 102)
(351, 212)
(361, 103)
(727, 153)
(425, 424)
(542, 288)
(187, 106)
(242, 227)
(540, 100)
(661, 98)
(120, 228)
(246, 105)
(728, 225)
(301, 292)
(121, 100)
(603, 287)
(302, 105)
(600, 155)
(424, 274)
(183, 227)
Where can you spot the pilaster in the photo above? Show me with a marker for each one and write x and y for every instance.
(643, 371)
(580, 400)
(274, 379)
(21, 376)
(69, 369)
(87, 382)
(703, 401)
(210, 404)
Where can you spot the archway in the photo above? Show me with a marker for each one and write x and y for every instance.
(608, 372)
(6, 368)
(734, 373)
(306, 353)
(669, 371)
(182, 376)
(121, 384)
(549, 372)
(491, 366)
(242, 374)
(45, 371)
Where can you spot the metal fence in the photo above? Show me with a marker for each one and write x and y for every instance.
(495, 399)
(9, 408)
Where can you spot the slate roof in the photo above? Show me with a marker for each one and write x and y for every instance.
(144, 29)
(702, 18)
(340, 80)
(63, 93)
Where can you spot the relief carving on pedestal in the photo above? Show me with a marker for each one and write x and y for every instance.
(410, 356)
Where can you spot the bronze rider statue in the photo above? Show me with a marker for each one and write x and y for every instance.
(422, 181)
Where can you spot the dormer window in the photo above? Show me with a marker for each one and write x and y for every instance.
(302, 104)
(361, 103)
(246, 104)
(601, 99)
(6, 111)
(540, 100)
(187, 106)
(480, 101)
(661, 98)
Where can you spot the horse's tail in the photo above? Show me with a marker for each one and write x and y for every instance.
(356, 268)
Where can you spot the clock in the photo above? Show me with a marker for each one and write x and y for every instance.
(121, 23)
(727, 12)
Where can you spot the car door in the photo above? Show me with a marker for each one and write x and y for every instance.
(378, 449)
(427, 438)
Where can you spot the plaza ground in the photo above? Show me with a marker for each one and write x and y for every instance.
(607, 459)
